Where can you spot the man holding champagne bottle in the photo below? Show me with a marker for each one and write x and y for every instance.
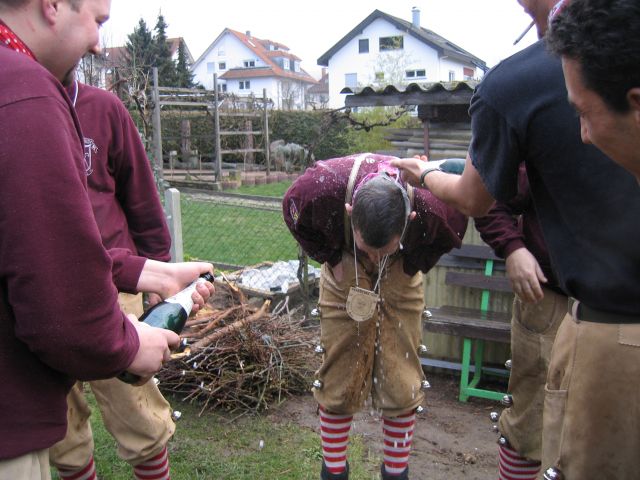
(49, 239)
(129, 215)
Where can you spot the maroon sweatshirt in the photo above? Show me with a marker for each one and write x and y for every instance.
(122, 189)
(313, 209)
(59, 317)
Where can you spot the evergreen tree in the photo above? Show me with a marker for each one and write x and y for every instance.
(184, 76)
(140, 48)
(164, 62)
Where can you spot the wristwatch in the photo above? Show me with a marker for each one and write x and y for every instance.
(430, 168)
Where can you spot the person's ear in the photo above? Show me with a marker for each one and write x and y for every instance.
(348, 208)
(50, 10)
(412, 215)
(633, 97)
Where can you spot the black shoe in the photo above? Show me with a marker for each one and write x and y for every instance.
(385, 476)
(327, 475)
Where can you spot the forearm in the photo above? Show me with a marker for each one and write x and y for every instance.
(166, 279)
(465, 192)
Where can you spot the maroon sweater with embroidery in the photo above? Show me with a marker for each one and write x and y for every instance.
(59, 317)
(313, 209)
(121, 185)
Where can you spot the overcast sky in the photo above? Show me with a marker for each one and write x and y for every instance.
(486, 28)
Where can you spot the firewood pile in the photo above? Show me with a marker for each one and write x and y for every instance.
(241, 357)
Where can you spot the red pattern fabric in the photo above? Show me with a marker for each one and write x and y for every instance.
(398, 437)
(514, 467)
(156, 468)
(335, 438)
(88, 472)
(12, 41)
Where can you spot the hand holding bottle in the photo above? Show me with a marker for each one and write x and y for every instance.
(167, 279)
(170, 314)
(155, 349)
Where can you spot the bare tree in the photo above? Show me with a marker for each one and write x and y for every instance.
(289, 92)
(389, 68)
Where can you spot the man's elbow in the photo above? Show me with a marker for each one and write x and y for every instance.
(475, 207)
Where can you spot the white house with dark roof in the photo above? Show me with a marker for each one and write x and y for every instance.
(386, 50)
(246, 65)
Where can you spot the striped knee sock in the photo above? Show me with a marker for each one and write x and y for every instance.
(156, 468)
(88, 472)
(335, 437)
(398, 435)
(514, 467)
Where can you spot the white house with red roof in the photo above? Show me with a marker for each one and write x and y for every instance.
(246, 65)
(385, 50)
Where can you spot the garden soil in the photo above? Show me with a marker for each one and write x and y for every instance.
(453, 440)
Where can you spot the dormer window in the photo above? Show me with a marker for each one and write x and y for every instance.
(285, 63)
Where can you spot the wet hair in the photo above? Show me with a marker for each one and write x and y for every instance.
(380, 211)
(603, 36)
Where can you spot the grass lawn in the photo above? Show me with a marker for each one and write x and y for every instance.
(234, 234)
(212, 447)
(267, 190)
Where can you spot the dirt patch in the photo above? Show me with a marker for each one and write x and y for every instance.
(452, 440)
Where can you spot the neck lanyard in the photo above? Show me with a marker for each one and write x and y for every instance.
(381, 266)
(75, 93)
(13, 42)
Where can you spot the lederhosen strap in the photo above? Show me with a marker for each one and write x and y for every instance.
(349, 197)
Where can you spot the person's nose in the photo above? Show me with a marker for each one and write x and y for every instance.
(96, 49)
(584, 133)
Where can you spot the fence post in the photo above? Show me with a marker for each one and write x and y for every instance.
(303, 279)
(216, 126)
(267, 153)
(174, 220)
(157, 129)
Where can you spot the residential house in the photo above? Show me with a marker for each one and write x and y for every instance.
(386, 50)
(245, 65)
(98, 70)
(318, 95)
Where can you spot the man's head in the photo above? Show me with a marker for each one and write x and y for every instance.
(599, 44)
(380, 215)
(58, 32)
(538, 10)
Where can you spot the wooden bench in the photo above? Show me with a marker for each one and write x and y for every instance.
(474, 325)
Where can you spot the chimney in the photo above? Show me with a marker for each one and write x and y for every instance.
(415, 17)
(248, 34)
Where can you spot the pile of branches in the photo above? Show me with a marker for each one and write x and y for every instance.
(240, 357)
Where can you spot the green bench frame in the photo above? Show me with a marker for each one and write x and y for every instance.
(475, 326)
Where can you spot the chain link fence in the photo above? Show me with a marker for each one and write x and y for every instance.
(247, 240)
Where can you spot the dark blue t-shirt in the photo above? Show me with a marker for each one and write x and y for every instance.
(589, 207)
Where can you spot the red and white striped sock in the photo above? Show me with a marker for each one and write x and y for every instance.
(398, 435)
(335, 438)
(88, 472)
(514, 467)
(156, 468)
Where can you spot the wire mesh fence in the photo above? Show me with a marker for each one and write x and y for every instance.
(246, 238)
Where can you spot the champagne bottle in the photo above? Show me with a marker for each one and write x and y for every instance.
(171, 314)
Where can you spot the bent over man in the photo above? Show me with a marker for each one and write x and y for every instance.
(374, 238)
